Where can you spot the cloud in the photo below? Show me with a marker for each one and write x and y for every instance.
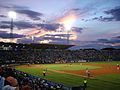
(88, 44)
(104, 19)
(117, 37)
(3, 16)
(59, 35)
(115, 15)
(6, 35)
(4, 26)
(46, 38)
(42, 39)
(25, 25)
(17, 24)
(21, 10)
(103, 40)
(68, 18)
(98, 44)
(110, 41)
(84, 11)
(53, 39)
(12, 6)
(115, 12)
(24, 40)
(77, 29)
(95, 46)
(32, 14)
(51, 27)
(20, 7)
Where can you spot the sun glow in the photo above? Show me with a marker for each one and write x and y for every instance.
(68, 21)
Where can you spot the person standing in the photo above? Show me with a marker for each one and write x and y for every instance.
(85, 82)
(118, 67)
(88, 73)
(44, 72)
(28, 64)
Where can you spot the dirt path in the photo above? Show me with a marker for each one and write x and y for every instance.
(63, 72)
(106, 69)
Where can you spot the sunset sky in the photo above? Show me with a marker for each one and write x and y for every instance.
(91, 23)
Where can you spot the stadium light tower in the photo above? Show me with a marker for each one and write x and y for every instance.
(33, 38)
(12, 16)
(68, 28)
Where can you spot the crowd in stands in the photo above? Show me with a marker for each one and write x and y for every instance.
(57, 56)
(11, 79)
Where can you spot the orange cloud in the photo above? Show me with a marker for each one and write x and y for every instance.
(117, 44)
(36, 33)
(8, 40)
(68, 19)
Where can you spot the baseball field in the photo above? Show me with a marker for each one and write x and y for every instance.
(103, 75)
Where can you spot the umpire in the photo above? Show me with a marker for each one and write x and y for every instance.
(85, 82)
(44, 73)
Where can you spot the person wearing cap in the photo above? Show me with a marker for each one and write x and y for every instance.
(85, 82)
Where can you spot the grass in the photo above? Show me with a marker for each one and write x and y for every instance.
(107, 82)
(107, 62)
(75, 66)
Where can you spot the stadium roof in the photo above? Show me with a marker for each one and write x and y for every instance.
(35, 46)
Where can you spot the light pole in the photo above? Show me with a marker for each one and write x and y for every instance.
(68, 28)
(68, 37)
(12, 16)
(33, 38)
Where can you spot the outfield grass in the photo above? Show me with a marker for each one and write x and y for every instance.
(75, 66)
(108, 82)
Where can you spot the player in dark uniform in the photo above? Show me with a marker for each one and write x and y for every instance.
(118, 67)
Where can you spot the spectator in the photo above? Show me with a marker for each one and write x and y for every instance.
(10, 84)
(2, 80)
